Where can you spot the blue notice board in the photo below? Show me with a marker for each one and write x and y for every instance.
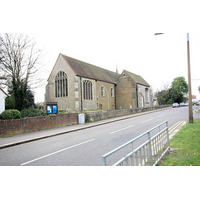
(52, 108)
(55, 109)
(49, 109)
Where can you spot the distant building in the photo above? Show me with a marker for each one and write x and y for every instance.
(76, 85)
(3, 96)
(194, 98)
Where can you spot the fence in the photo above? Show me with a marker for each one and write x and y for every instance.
(147, 154)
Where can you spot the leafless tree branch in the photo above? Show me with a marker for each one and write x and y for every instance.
(19, 60)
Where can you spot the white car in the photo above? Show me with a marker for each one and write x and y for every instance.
(175, 105)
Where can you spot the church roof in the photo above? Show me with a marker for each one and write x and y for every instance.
(138, 79)
(87, 70)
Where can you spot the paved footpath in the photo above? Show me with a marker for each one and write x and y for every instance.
(10, 141)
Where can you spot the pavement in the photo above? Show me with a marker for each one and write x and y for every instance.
(13, 140)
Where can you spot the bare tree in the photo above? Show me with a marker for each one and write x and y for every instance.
(20, 66)
(166, 85)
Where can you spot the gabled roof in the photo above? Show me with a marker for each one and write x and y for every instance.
(87, 70)
(138, 79)
(4, 92)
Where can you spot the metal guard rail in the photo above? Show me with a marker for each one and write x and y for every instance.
(165, 130)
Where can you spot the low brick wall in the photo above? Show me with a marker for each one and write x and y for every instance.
(96, 116)
(30, 124)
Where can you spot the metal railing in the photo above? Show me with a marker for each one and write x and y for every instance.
(147, 154)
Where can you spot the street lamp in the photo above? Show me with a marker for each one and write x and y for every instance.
(189, 79)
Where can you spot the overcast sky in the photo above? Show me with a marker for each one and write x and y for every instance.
(112, 34)
(158, 59)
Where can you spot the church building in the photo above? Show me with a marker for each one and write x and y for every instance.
(77, 85)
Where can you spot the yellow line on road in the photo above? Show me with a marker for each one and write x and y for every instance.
(171, 129)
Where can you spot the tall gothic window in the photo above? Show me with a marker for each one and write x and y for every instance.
(61, 85)
(87, 90)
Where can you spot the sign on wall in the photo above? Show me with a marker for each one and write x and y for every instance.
(52, 107)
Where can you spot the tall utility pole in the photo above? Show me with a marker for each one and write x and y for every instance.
(189, 82)
(189, 79)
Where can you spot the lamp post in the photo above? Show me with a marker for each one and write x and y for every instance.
(189, 79)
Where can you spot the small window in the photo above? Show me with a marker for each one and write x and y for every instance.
(146, 94)
(102, 91)
(112, 92)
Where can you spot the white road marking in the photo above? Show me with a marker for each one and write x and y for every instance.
(121, 129)
(161, 115)
(56, 152)
(147, 120)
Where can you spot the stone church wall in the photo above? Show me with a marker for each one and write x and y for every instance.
(126, 93)
(106, 102)
(142, 102)
(89, 104)
(63, 102)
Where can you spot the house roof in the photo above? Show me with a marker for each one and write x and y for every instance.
(87, 70)
(138, 79)
(4, 92)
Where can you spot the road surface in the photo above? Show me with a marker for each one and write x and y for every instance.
(86, 147)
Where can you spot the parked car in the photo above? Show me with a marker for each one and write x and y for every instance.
(182, 104)
(175, 105)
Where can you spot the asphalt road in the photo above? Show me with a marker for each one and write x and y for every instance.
(86, 147)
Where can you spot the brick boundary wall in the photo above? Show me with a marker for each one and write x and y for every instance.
(31, 124)
(92, 117)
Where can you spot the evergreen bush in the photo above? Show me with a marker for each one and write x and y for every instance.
(170, 101)
(32, 112)
(10, 114)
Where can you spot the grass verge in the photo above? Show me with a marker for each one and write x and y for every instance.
(185, 147)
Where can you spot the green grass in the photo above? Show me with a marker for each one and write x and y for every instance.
(185, 147)
(93, 111)
(86, 111)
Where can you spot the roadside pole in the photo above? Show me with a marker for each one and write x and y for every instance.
(189, 82)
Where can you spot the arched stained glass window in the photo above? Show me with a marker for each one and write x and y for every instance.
(61, 85)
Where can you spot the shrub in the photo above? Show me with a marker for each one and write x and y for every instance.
(9, 103)
(170, 101)
(10, 114)
(32, 112)
(62, 111)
